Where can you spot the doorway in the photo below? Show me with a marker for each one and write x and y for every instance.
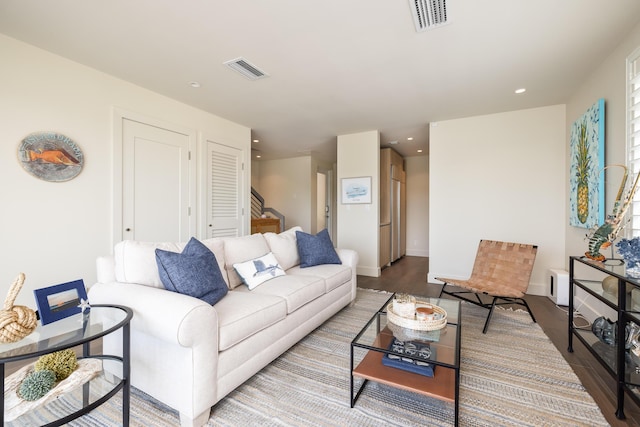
(324, 204)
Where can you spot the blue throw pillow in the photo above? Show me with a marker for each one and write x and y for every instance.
(316, 250)
(193, 272)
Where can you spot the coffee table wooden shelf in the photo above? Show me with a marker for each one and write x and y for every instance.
(374, 340)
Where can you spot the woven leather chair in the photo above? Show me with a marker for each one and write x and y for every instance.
(500, 276)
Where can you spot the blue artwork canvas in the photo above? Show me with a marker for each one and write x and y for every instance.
(586, 178)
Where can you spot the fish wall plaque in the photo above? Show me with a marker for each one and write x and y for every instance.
(50, 156)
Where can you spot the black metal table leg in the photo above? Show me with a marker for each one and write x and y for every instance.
(126, 372)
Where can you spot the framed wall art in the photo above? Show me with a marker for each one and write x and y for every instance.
(60, 301)
(586, 178)
(50, 156)
(356, 190)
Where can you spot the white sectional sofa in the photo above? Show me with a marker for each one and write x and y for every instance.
(189, 354)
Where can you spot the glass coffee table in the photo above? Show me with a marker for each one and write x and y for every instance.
(374, 342)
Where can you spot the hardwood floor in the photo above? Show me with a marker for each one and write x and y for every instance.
(409, 275)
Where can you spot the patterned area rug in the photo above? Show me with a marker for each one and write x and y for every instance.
(512, 376)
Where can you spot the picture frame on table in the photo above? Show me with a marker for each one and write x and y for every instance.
(60, 301)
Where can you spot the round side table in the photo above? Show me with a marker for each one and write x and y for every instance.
(80, 329)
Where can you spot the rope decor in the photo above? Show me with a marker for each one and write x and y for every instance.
(16, 321)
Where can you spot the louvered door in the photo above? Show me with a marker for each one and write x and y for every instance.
(225, 193)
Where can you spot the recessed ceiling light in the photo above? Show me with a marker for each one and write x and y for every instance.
(194, 84)
(256, 140)
(410, 138)
(419, 151)
(258, 156)
(393, 142)
(521, 90)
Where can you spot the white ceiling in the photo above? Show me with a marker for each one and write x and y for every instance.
(335, 66)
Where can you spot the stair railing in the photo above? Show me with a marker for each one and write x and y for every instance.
(258, 209)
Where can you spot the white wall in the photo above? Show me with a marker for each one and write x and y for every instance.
(498, 177)
(286, 186)
(53, 231)
(608, 81)
(255, 174)
(417, 185)
(357, 224)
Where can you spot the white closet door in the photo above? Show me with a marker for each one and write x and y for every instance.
(155, 186)
(225, 194)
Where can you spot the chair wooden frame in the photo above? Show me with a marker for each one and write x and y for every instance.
(501, 273)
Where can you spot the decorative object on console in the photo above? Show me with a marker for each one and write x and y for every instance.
(194, 272)
(586, 190)
(635, 298)
(257, 271)
(16, 321)
(316, 250)
(603, 236)
(60, 301)
(607, 331)
(610, 285)
(629, 250)
(50, 156)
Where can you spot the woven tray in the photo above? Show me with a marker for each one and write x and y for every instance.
(418, 324)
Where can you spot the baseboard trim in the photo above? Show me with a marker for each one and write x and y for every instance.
(538, 289)
(418, 252)
(368, 271)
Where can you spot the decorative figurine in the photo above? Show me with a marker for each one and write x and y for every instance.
(16, 321)
(604, 235)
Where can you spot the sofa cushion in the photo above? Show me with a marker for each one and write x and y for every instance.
(296, 290)
(242, 314)
(216, 245)
(334, 275)
(284, 247)
(192, 272)
(135, 262)
(241, 249)
(316, 250)
(257, 271)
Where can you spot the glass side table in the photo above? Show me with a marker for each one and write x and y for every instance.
(80, 329)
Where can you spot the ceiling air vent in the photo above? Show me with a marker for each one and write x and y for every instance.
(428, 14)
(245, 68)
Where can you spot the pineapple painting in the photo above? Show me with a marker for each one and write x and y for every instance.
(586, 192)
(583, 161)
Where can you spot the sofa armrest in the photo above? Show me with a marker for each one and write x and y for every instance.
(348, 257)
(169, 316)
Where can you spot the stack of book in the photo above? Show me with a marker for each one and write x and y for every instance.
(412, 356)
